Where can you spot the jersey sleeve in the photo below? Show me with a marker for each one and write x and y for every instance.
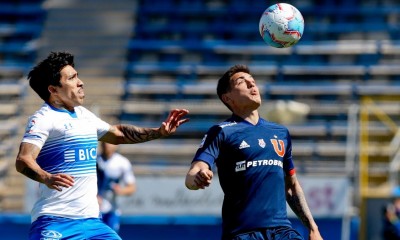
(101, 126)
(127, 176)
(288, 164)
(209, 147)
(37, 130)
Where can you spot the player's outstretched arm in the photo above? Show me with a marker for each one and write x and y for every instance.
(129, 134)
(173, 121)
(26, 164)
(125, 190)
(199, 176)
(297, 202)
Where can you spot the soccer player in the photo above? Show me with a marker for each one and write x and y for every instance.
(114, 178)
(255, 167)
(391, 217)
(59, 150)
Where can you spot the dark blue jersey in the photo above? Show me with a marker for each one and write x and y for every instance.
(252, 161)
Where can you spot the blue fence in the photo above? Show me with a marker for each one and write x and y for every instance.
(15, 226)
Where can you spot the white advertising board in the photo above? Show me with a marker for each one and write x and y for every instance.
(166, 195)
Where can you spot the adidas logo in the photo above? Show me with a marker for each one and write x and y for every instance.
(244, 145)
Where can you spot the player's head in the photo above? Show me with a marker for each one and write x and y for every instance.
(237, 87)
(56, 81)
(107, 149)
(48, 73)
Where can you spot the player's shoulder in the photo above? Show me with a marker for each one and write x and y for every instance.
(44, 110)
(82, 110)
(118, 157)
(273, 125)
(221, 126)
(44, 113)
(232, 121)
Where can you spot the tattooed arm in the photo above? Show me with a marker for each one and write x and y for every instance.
(297, 202)
(122, 134)
(26, 164)
(125, 134)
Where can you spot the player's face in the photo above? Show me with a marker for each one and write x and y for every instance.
(71, 93)
(244, 92)
(108, 149)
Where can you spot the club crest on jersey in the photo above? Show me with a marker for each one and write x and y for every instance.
(261, 143)
(279, 147)
(31, 125)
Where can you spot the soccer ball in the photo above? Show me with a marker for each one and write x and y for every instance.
(281, 25)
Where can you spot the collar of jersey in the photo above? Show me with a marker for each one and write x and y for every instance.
(72, 114)
(238, 119)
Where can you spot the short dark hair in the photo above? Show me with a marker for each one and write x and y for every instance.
(224, 85)
(47, 73)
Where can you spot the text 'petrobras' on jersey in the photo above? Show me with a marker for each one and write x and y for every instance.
(243, 165)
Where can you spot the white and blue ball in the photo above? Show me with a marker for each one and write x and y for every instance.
(281, 25)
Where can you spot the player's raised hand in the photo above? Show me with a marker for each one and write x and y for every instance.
(173, 121)
(57, 181)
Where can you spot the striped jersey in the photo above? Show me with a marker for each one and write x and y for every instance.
(115, 170)
(252, 161)
(68, 142)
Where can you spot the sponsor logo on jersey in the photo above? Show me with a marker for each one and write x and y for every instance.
(50, 235)
(264, 162)
(240, 166)
(243, 165)
(80, 154)
(279, 147)
(243, 144)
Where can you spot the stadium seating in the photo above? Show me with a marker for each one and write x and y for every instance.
(180, 48)
(21, 22)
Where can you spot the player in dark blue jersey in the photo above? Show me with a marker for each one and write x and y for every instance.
(255, 167)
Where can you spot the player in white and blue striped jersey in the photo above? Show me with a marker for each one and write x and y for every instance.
(59, 150)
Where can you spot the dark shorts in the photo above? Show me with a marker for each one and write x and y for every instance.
(57, 228)
(278, 233)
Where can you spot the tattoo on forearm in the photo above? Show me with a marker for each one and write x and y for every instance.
(299, 206)
(139, 134)
(30, 173)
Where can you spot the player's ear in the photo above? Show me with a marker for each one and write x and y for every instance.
(52, 89)
(226, 98)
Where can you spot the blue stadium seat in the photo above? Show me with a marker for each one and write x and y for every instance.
(341, 57)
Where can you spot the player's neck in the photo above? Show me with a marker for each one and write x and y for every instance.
(251, 117)
(60, 105)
